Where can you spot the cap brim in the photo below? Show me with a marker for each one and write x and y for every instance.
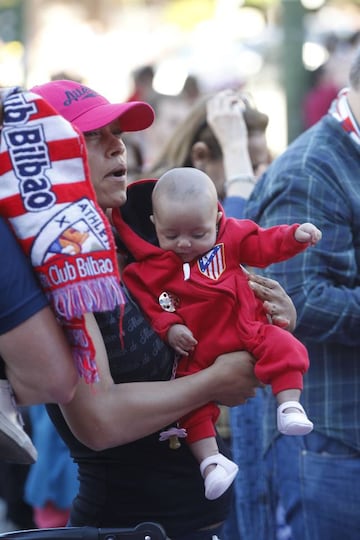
(133, 116)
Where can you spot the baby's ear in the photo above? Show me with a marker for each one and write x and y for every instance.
(152, 219)
(219, 216)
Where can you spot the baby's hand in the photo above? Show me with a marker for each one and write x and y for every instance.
(181, 339)
(307, 232)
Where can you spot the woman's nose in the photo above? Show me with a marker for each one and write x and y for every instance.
(116, 145)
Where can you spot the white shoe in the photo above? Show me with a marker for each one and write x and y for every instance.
(220, 479)
(293, 423)
(15, 444)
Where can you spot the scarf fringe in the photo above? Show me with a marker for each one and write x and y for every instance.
(82, 348)
(86, 366)
(90, 296)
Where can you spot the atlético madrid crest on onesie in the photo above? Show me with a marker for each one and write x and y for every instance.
(212, 264)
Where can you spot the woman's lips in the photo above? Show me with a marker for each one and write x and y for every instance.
(117, 174)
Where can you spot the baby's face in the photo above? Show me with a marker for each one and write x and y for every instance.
(189, 230)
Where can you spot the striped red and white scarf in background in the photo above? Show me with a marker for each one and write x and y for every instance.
(48, 199)
(341, 111)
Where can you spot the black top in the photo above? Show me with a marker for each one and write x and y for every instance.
(144, 480)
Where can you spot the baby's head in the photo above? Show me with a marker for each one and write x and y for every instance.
(185, 212)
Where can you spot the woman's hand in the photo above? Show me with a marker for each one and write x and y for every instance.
(277, 303)
(235, 378)
(225, 116)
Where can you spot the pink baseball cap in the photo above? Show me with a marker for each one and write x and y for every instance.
(88, 110)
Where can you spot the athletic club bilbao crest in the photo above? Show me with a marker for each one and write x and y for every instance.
(73, 245)
(212, 264)
(76, 229)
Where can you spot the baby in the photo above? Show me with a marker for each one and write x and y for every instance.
(197, 296)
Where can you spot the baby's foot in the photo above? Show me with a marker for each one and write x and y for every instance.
(292, 419)
(220, 477)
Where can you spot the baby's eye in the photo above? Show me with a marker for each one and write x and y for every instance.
(198, 235)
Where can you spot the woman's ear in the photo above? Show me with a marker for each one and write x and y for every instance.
(200, 155)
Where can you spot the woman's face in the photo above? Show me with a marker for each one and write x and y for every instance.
(259, 152)
(215, 169)
(259, 156)
(107, 164)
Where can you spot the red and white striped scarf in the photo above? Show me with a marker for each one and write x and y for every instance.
(48, 199)
(341, 111)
